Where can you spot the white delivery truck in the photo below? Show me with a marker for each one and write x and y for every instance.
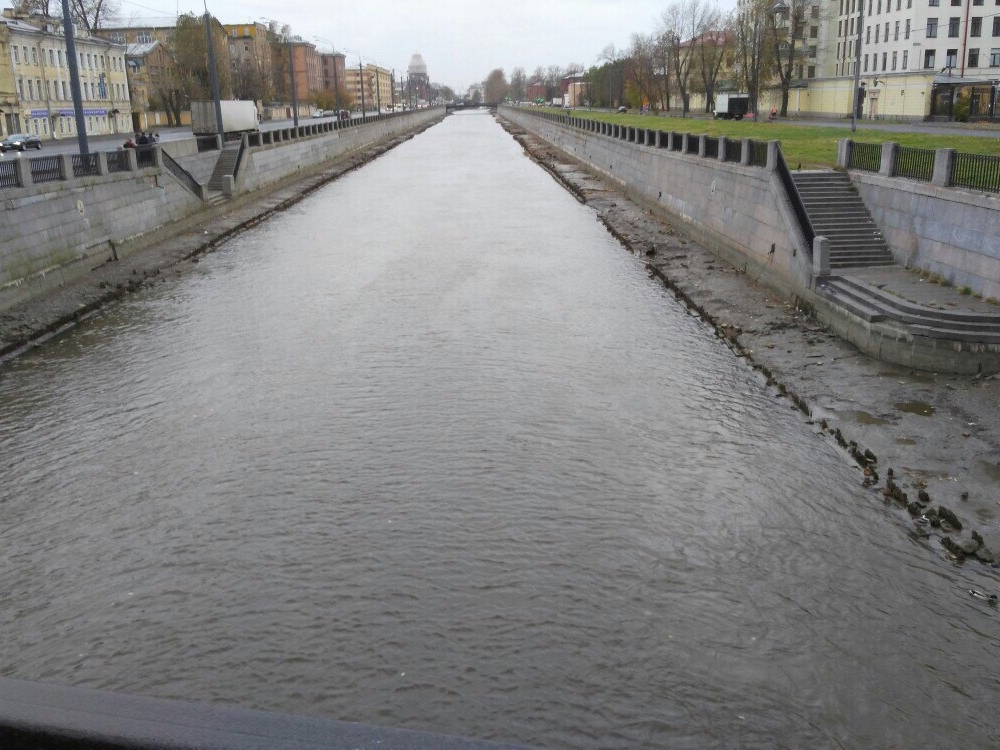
(731, 106)
(237, 117)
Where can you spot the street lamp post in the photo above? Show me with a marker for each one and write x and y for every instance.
(857, 68)
(74, 79)
(213, 73)
(361, 82)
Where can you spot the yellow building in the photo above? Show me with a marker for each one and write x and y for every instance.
(8, 88)
(374, 81)
(36, 61)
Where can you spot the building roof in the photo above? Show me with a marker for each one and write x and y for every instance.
(143, 22)
(141, 49)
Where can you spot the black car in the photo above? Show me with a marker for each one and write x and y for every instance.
(21, 142)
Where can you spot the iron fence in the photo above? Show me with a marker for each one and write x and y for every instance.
(84, 164)
(914, 163)
(866, 156)
(758, 153)
(976, 171)
(144, 156)
(692, 144)
(207, 143)
(8, 174)
(711, 147)
(182, 175)
(117, 161)
(46, 169)
(734, 151)
(676, 141)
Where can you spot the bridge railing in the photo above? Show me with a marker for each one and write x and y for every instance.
(35, 715)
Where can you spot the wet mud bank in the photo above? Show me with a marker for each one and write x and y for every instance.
(31, 324)
(926, 446)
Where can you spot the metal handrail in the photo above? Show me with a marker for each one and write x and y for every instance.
(798, 206)
(183, 176)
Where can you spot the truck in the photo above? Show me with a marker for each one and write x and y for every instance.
(557, 101)
(237, 117)
(731, 106)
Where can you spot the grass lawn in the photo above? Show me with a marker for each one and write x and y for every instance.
(812, 147)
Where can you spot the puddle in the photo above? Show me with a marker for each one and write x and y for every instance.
(863, 417)
(915, 407)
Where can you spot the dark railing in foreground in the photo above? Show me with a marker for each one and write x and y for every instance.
(46, 169)
(34, 715)
(758, 154)
(8, 174)
(117, 161)
(914, 163)
(976, 171)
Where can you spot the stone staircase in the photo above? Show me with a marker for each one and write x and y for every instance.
(873, 304)
(838, 213)
(224, 167)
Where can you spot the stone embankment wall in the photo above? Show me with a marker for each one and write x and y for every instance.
(56, 231)
(739, 212)
(945, 230)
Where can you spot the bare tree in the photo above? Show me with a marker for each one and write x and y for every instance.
(787, 31)
(714, 51)
(661, 69)
(640, 68)
(90, 14)
(519, 85)
(749, 50)
(495, 87)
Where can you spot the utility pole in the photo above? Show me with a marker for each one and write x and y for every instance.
(74, 79)
(291, 68)
(213, 73)
(336, 85)
(378, 89)
(361, 80)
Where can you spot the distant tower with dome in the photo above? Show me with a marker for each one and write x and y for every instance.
(416, 71)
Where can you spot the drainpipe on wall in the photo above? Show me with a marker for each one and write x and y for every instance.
(965, 36)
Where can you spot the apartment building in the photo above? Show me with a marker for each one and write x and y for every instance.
(370, 83)
(914, 58)
(34, 63)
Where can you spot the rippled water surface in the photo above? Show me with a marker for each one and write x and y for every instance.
(430, 450)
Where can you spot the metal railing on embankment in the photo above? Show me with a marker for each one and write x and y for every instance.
(945, 167)
(25, 172)
(746, 152)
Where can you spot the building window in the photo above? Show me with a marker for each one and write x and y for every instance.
(813, 32)
(894, 55)
(885, 60)
(973, 58)
(34, 56)
(928, 59)
(957, 2)
(906, 55)
(868, 34)
(31, 90)
(16, 56)
(60, 55)
(931, 28)
(812, 51)
(144, 37)
(895, 32)
(52, 58)
(933, 3)
(876, 34)
(953, 24)
(995, 57)
(811, 71)
(906, 34)
(814, 12)
(996, 26)
(865, 68)
(951, 58)
(977, 2)
(977, 27)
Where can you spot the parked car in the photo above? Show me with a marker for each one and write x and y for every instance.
(21, 142)
(622, 109)
(321, 113)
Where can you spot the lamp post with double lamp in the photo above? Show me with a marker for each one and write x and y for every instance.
(856, 100)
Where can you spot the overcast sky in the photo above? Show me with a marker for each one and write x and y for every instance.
(460, 40)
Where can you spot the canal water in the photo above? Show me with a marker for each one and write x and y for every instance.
(430, 450)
